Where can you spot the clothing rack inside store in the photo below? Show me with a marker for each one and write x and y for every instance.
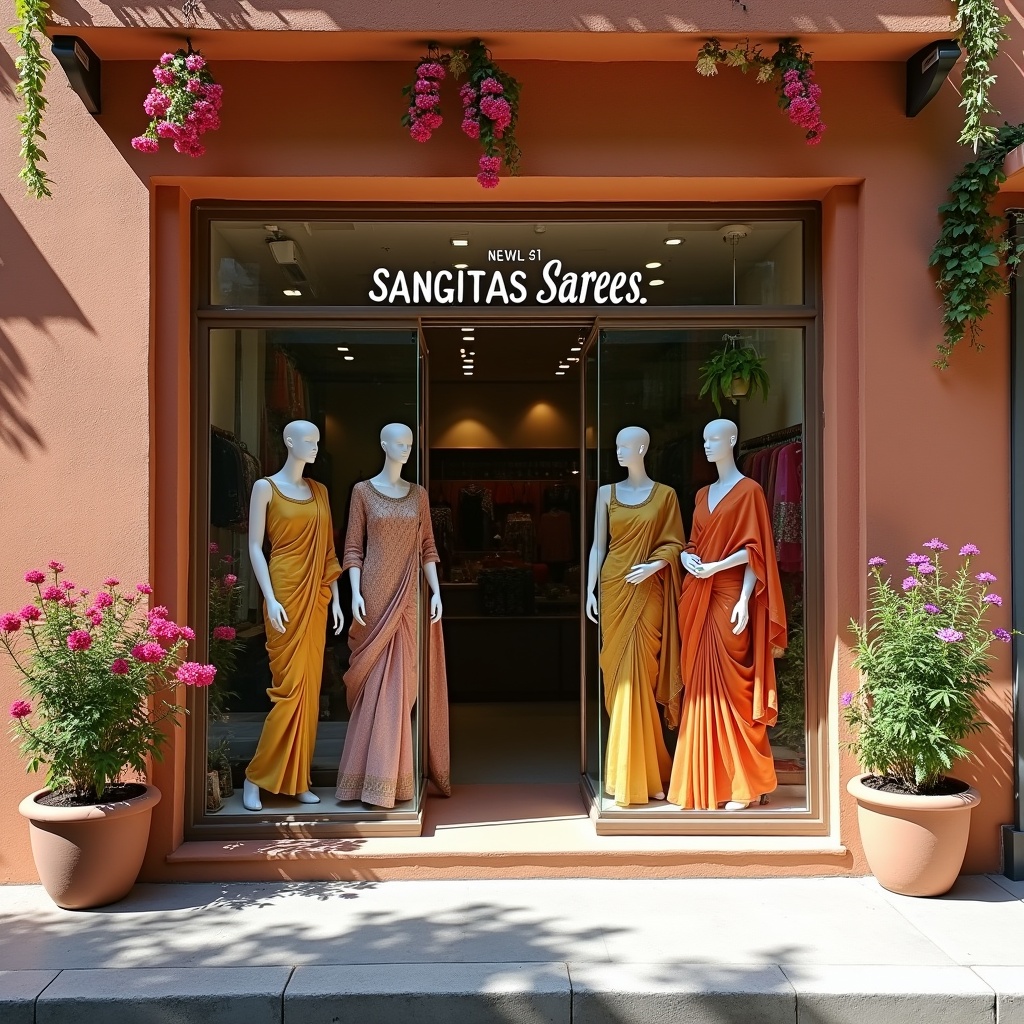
(794, 433)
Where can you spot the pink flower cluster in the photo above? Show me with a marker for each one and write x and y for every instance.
(183, 106)
(489, 167)
(470, 111)
(801, 95)
(192, 673)
(494, 106)
(424, 110)
(21, 709)
(487, 102)
(224, 633)
(79, 640)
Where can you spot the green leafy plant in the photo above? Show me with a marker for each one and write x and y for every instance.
(729, 363)
(32, 67)
(982, 29)
(973, 248)
(98, 674)
(924, 658)
(790, 730)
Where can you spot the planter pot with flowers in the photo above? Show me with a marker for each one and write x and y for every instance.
(98, 671)
(924, 657)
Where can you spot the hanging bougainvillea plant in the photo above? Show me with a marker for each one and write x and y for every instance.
(184, 103)
(490, 106)
(790, 68)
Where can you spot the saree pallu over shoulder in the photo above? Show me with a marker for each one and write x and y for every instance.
(302, 567)
(731, 695)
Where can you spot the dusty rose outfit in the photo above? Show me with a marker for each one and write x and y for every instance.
(388, 540)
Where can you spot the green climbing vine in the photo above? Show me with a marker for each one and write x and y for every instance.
(982, 29)
(32, 67)
(973, 247)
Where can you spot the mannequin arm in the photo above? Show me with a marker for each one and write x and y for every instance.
(430, 571)
(336, 613)
(261, 494)
(644, 570)
(704, 570)
(355, 576)
(597, 551)
(740, 613)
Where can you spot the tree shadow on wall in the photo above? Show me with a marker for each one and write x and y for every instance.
(8, 74)
(30, 291)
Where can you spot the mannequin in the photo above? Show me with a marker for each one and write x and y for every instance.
(731, 620)
(389, 537)
(639, 578)
(298, 584)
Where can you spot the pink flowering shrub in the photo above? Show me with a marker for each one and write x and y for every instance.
(423, 117)
(924, 657)
(98, 674)
(183, 105)
(225, 595)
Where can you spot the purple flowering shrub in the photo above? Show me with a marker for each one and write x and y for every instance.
(98, 671)
(924, 658)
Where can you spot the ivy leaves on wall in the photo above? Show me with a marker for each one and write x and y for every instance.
(982, 29)
(32, 67)
(973, 247)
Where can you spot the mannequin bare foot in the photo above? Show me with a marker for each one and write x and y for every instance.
(251, 796)
(305, 797)
(736, 805)
(658, 796)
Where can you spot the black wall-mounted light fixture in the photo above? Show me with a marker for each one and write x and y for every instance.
(82, 67)
(927, 70)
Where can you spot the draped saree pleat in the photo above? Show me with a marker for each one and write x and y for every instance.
(389, 539)
(723, 751)
(639, 642)
(302, 567)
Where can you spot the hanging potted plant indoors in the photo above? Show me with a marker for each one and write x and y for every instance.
(924, 656)
(734, 371)
(97, 671)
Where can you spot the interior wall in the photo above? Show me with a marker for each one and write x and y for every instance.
(505, 414)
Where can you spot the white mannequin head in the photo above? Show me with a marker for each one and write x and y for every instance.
(396, 440)
(302, 439)
(720, 438)
(631, 445)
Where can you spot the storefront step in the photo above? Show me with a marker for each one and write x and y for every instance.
(516, 993)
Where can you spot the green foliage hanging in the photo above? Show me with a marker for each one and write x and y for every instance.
(982, 29)
(32, 67)
(973, 247)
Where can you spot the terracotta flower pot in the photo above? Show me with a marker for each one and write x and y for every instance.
(914, 845)
(89, 856)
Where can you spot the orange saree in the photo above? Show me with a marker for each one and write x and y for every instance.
(639, 642)
(302, 567)
(723, 751)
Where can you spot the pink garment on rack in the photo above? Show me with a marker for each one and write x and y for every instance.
(787, 508)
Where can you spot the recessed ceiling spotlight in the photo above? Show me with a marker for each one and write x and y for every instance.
(653, 265)
(460, 242)
(559, 373)
(472, 353)
(342, 348)
(467, 373)
(292, 291)
(462, 351)
(572, 359)
(469, 337)
(576, 348)
(563, 366)
(467, 330)
(460, 266)
(673, 241)
(654, 282)
(348, 359)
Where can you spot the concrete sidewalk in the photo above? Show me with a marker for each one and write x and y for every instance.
(817, 951)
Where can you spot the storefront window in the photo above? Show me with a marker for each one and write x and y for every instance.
(655, 750)
(278, 711)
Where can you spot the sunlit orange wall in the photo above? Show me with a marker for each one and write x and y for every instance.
(912, 452)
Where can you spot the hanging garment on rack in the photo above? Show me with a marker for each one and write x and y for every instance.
(788, 508)
(474, 519)
(555, 536)
(229, 496)
(519, 535)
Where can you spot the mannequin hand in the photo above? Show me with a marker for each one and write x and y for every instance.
(435, 607)
(705, 570)
(277, 615)
(592, 607)
(740, 616)
(644, 571)
(338, 616)
(691, 562)
(359, 609)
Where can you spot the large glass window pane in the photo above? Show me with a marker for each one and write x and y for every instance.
(652, 379)
(288, 699)
(552, 265)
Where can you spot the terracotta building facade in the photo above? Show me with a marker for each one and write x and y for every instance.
(163, 317)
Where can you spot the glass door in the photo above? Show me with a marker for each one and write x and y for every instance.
(306, 705)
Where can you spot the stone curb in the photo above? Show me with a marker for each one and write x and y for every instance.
(523, 993)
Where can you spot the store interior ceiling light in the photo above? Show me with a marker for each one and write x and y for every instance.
(563, 366)
(292, 291)
(673, 241)
(653, 265)
(559, 373)
(348, 359)
(460, 242)
(655, 282)
(460, 266)
(576, 348)
(467, 330)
